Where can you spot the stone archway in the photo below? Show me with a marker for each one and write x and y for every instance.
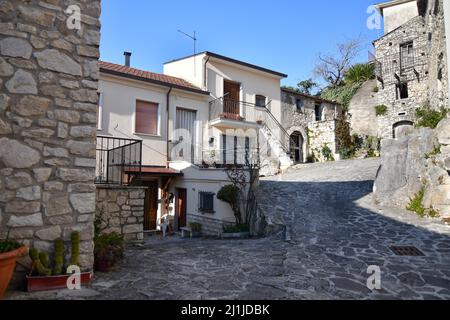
(402, 128)
(298, 144)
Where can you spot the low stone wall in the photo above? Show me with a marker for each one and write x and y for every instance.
(320, 134)
(122, 208)
(210, 227)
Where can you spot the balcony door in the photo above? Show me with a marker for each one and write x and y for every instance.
(186, 124)
(231, 92)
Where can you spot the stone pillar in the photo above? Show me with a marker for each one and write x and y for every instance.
(49, 53)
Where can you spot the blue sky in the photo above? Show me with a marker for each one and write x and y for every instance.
(283, 35)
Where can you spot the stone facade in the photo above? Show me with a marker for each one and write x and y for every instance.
(302, 120)
(210, 227)
(422, 68)
(122, 209)
(48, 96)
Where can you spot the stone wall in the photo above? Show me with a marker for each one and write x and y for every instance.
(411, 162)
(427, 80)
(48, 97)
(321, 134)
(362, 115)
(122, 209)
(210, 227)
(315, 133)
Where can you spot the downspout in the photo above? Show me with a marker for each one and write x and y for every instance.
(167, 127)
(205, 73)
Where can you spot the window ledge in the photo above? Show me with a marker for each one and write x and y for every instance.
(148, 135)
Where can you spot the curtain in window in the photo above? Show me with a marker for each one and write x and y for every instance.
(146, 117)
(185, 119)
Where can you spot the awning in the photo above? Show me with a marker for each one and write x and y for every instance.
(156, 171)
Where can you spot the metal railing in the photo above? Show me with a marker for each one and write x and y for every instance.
(219, 159)
(226, 109)
(118, 160)
(403, 65)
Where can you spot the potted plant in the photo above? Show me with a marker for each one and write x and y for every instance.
(236, 231)
(52, 276)
(108, 250)
(9, 252)
(196, 229)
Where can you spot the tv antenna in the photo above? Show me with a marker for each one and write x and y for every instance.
(194, 38)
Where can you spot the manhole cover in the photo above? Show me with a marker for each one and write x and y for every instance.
(407, 251)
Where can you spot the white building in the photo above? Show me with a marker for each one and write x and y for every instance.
(205, 112)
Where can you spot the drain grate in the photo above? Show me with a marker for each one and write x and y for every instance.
(407, 251)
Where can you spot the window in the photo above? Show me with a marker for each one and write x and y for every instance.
(318, 111)
(206, 202)
(99, 111)
(402, 90)
(406, 55)
(299, 105)
(146, 118)
(260, 101)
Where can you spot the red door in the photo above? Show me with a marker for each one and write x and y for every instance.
(181, 208)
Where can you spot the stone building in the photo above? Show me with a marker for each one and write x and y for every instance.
(48, 103)
(311, 123)
(411, 63)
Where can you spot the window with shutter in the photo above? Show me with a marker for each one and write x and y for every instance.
(146, 118)
(206, 202)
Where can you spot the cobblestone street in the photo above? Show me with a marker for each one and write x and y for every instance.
(333, 233)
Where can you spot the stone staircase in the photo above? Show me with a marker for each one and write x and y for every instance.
(279, 161)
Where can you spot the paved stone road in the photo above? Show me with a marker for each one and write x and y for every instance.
(333, 234)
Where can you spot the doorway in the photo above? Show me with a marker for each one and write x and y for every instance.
(231, 93)
(181, 207)
(151, 206)
(402, 129)
(297, 147)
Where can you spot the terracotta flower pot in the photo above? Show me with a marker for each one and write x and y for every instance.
(7, 266)
(35, 284)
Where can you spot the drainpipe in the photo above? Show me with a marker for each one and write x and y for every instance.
(167, 127)
(205, 73)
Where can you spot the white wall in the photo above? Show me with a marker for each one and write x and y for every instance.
(119, 103)
(189, 69)
(397, 15)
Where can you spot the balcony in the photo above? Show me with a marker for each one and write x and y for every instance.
(226, 113)
(118, 160)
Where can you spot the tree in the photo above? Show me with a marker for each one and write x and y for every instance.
(306, 86)
(332, 68)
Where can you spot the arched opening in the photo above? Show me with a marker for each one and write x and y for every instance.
(297, 147)
(402, 129)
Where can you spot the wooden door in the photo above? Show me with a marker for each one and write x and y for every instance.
(151, 206)
(181, 207)
(231, 91)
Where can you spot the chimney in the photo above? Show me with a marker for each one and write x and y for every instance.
(127, 58)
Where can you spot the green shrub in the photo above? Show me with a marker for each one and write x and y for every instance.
(9, 245)
(416, 205)
(436, 151)
(347, 144)
(429, 118)
(375, 89)
(229, 194)
(381, 110)
(236, 229)
(342, 94)
(327, 153)
(311, 158)
(360, 72)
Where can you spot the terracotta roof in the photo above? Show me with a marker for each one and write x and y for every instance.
(156, 78)
(308, 96)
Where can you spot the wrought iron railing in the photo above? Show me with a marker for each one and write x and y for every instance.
(403, 65)
(118, 160)
(219, 159)
(226, 109)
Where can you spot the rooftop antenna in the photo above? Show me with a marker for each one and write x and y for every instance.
(194, 38)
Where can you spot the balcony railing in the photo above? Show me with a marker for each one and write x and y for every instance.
(234, 157)
(226, 109)
(117, 160)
